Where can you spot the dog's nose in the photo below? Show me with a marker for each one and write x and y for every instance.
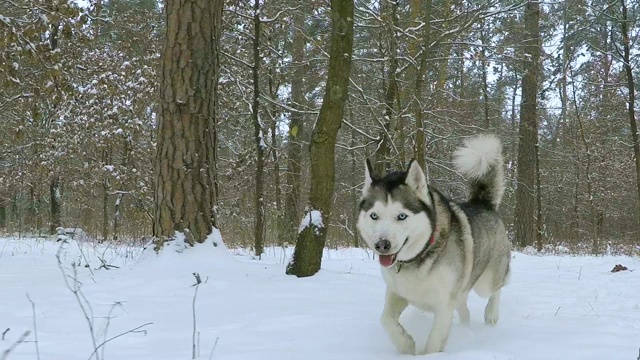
(383, 246)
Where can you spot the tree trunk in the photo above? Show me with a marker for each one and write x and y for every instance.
(391, 23)
(185, 195)
(528, 132)
(485, 85)
(307, 256)
(258, 137)
(631, 99)
(294, 146)
(32, 210)
(354, 186)
(276, 178)
(55, 216)
(592, 209)
(56, 205)
(116, 215)
(105, 209)
(3, 215)
(275, 153)
(419, 150)
(539, 218)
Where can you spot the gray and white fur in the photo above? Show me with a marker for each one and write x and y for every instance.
(433, 250)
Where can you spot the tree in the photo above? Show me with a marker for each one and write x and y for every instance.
(310, 242)
(185, 195)
(528, 131)
(294, 146)
(626, 58)
(258, 135)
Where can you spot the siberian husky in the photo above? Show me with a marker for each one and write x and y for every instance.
(434, 250)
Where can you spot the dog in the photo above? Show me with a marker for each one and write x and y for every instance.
(433, 250)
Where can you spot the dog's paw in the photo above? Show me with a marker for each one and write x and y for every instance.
(405, 345)
(430, 350)
(491, 316)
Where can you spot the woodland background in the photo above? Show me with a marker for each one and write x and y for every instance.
(79, 103)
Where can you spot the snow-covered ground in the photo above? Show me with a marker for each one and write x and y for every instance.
(555, 307)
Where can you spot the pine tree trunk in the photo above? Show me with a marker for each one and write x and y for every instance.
(294, 146)
(631, 99)
(185, 195)
(258, 137)
(307, 256)
(56, 205)
(528, 133)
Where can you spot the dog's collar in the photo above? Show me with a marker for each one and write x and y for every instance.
(422, 254)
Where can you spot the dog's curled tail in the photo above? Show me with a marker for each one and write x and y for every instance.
(480, 161)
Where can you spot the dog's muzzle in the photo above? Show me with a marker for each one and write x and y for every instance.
(383, 246)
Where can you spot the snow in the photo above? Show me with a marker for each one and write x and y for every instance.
(311, 217)
(555, 307)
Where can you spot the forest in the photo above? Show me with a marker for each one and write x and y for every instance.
(84, 84)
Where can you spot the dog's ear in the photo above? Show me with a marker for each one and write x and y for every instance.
(417, 181)
(368, 171)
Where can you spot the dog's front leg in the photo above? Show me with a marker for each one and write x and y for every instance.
(394, 305)
(439, 331)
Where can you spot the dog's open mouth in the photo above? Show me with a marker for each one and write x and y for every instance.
(389, 260)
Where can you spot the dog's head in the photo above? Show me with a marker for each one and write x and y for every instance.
(396, 213)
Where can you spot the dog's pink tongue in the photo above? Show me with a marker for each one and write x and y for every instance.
(386, 260)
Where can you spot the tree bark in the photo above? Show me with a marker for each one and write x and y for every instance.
(307, 256)
(185, 195)
(528, 131)
(294, 146)
(631, 99)
(258, 136)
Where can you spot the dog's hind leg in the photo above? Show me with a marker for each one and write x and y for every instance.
(491, 311)
(394, 305)
(463, 310)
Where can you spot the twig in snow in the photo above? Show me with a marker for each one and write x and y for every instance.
(84, 304)
(106, 327)
(594, 310)
(5, 354)
(135, 330)
(193, 307)
(5, 333)
(35, 326)
(216, 344)
(580, 273)
(559, 307)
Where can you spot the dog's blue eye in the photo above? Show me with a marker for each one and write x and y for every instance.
(374, 216)
(402, 216)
